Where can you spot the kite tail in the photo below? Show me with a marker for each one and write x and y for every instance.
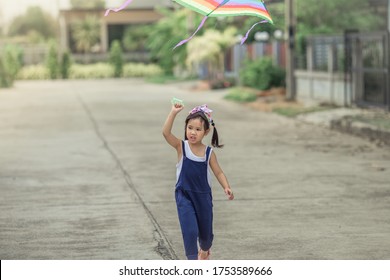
(247, 33)
(124, 5)
(189, 38)
(200, 25)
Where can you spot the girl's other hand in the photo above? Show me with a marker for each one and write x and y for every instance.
(229, 193)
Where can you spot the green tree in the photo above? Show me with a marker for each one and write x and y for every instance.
(86, 33)
(167, 32)
(164, 35)
(334, 16)
(116, 58)
(87, 4)
(10, 63)
(135, 37)
(34, 20)
(277, 13)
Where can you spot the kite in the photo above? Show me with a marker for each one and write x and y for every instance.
(220, 8)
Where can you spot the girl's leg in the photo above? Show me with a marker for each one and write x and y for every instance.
(204, 209)
(188, 224)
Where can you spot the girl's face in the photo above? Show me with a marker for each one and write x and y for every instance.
(195, 130)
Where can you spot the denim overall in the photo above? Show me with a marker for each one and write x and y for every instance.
(194, 205)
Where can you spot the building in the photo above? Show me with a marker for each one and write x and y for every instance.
(138, 12)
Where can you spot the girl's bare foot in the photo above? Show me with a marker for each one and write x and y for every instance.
(203, 255)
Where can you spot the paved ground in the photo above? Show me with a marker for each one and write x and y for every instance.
(86, 174)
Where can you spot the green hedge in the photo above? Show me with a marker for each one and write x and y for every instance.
(141, 70)
(34, 72)
(91, 71)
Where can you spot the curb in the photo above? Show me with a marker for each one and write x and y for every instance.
(361, 129)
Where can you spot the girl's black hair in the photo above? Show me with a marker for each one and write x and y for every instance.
(206, 126)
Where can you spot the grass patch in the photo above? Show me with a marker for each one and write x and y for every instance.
(292, 112)
(378, 120)
(165, 79)
(240, 94)
(161, 79)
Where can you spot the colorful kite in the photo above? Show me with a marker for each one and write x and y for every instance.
(220, 8)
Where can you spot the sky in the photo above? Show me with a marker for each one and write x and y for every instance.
(12, 8)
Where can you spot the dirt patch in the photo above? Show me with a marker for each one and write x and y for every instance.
(274, 98)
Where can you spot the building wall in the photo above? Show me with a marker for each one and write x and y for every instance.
(323, 87)
(124, 17)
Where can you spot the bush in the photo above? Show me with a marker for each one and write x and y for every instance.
(141, 70)
(34, 72)
(65, 65)
(52, 61)
(91, 71)
(262, 74)
(116, 58)
(10, 63)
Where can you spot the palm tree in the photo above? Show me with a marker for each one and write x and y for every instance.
(86, 33)
(210, 49)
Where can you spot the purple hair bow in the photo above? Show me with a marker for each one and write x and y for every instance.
(203, 108)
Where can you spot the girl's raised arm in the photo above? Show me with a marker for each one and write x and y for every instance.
(167, 128)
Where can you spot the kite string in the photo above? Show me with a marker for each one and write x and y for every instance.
(247, 33)
(124, 5)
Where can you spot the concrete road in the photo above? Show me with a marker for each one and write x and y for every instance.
(86, 174)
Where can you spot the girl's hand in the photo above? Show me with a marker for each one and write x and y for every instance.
(229, 193)
(176, 108)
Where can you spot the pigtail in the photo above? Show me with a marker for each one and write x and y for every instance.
(214, 138)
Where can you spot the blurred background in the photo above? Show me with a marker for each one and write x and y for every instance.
(332, 52)
(85, 172)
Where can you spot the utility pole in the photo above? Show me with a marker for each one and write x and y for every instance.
(388, 15)
(290, 52)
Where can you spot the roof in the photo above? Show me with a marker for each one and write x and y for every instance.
(140, 4)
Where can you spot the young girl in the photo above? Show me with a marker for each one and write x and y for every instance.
(193, 188)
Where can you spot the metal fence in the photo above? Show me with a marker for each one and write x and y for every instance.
(368, 64)
(363, 59)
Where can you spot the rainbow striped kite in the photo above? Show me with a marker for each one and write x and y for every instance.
(220, 8)
(216, 8)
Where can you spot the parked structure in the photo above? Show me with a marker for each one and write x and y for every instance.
(236, 56)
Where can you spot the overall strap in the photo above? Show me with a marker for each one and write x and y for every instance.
(183, 149)
(208, 151)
